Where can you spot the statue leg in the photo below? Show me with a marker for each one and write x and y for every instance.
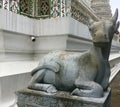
(105, 81)
(88, 89)
(36, 85)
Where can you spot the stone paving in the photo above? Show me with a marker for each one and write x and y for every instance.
(115, 96)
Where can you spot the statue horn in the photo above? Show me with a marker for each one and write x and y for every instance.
(115, 17)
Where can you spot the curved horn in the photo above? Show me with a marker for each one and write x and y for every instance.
(117, 26)
(115, 17)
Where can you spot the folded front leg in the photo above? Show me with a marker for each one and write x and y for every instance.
(36, 84)
(49, 88)
(88, 89)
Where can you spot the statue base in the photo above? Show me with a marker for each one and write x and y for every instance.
(33, 98)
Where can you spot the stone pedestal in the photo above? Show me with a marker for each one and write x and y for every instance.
(33, 98)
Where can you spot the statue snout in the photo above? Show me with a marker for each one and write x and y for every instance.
(100, 37)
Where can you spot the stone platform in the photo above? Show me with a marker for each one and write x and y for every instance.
(33, 98)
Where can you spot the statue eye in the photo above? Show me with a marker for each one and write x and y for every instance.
(90, 29)
(94, 35)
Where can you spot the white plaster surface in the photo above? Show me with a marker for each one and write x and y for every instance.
(114, 56)
(62, 26)
(16, 67)
(9, 85)
(14, 76)
(54, 42)
(15, 22)
(56, 26)
(15, 46)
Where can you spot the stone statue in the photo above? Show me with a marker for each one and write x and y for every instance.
(86, 74)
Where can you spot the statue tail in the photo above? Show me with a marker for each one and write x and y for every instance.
(53, 66)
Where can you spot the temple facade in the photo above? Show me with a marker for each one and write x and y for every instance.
(29, 29)
(56, 8)
(101, 8)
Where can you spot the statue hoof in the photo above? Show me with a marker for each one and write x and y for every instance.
(51, 89)
(75, 91)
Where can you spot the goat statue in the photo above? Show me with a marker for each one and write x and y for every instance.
(86, 74)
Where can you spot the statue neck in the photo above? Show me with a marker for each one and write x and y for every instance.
(97, 51)
(106, 51)
(103, 52)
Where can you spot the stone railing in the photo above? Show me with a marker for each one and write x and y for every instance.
(78, 9)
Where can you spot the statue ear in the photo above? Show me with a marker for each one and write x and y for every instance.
(115, 16)
(90, 22)
(116, 27)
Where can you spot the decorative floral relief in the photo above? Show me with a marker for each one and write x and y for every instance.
(55, 8)
(78, 15)
(14, 6)
(1, 3)
(37, 8)
(6, 4)
(46, 8)
(63, 11)
(68, 8)
(31, 7)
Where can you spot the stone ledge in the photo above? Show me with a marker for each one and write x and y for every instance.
(33, 98)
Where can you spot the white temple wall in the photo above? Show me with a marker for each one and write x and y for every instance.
(9, 85)
(15, 46)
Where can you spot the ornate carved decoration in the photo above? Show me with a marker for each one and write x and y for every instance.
(51, 8)
(26, 6)
(44, 7)
(14, 6)
(79, 13)
(1, 2)
(55, 8)
(6, 4)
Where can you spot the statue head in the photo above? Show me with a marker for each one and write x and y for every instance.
(102, 31)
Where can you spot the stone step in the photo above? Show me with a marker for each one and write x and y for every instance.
(114, 59)
(114, 71)
(16, 67)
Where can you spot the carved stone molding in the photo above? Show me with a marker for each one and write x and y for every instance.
(101, 8)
